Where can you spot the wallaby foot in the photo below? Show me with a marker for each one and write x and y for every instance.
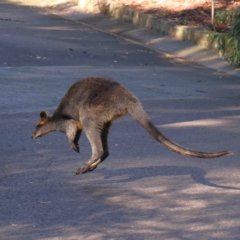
(90, 167)
(94, 165)
(87, 168)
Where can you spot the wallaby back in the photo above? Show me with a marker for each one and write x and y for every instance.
(99, 97)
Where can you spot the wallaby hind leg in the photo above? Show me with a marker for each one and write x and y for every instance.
(104, 138)
(93, 130)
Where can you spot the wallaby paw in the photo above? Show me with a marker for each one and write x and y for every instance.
(85, 168)
(76, 148)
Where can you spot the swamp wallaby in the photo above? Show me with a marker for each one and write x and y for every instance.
(92, 104)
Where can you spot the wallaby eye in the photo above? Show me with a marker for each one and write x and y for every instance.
(38, 126)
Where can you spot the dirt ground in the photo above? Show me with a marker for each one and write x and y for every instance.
(185, 12)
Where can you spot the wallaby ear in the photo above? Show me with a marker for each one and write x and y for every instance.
(44, 115)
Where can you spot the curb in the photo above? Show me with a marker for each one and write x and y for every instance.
(195, 35)
(115, 10)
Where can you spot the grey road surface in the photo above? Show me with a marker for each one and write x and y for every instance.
(143, 190)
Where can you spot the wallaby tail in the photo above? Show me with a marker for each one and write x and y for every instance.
(140, 116)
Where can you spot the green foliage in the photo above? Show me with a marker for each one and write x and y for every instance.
(225, 16)
(229, 42)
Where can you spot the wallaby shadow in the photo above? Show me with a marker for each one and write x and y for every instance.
(133, 174)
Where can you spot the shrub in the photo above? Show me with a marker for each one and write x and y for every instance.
(228, 43)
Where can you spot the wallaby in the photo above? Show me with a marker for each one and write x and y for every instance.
(92, 104)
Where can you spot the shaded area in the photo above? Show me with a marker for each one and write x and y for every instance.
(135, 174)
(31, 37)
(135, 193)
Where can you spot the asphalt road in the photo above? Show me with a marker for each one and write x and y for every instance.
(143, 190)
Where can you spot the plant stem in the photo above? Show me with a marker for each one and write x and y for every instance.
(212, 20)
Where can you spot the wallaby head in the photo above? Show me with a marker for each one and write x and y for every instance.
(43, 126)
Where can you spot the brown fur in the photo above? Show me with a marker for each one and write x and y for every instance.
(93, 104)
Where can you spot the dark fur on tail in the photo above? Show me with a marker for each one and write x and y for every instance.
(140, 116)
